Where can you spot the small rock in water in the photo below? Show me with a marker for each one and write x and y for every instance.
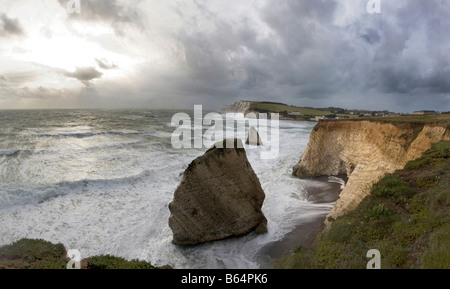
(253, 137)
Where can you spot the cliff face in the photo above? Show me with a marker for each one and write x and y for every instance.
(365, 151)
(238, 107)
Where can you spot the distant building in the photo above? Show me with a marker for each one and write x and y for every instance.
(422, 112)
(295, 113)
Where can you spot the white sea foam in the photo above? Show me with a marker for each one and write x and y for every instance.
(109, 194)
(334, 179)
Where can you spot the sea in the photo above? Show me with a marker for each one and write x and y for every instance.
(100, 181)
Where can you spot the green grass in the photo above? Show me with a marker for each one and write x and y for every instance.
(433, 157)
(438, 255)
(33, 254)
(111, 262)
(406, 217)
(443, 119)
(274, 107)
(440, 119)
(351, 116)
(41, 254)
(307, 112)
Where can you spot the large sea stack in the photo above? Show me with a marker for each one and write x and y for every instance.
(219, 196)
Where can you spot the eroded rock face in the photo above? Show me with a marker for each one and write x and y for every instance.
(238, 107)
(219, 196)
(365, 151)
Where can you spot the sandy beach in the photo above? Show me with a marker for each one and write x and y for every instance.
(320, 191)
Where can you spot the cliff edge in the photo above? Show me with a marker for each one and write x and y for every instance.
(240, 106)
(365, 150)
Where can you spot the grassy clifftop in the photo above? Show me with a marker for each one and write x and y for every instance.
(301, 113)
(278, 107)
(440, 119)
(306, 113)
(406, 218)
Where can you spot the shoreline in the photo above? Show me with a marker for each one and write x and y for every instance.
(306, 230)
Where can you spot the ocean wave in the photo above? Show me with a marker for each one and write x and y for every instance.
(122, 132)
(333, 179)
(37, 194)
(9, 152)
(68, 134)
(91, 134)
(26, 152)
(118, 146)
(79, 135)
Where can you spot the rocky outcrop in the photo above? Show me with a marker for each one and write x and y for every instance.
(253, 137)
(239, 107)
(365, 151)
(219, 196)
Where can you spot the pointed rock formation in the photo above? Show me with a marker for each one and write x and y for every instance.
(253, 137)
(219, 196)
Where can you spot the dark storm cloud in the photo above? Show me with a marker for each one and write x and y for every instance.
(371, 36)
(413, 54)
(299, 24)
(9, 26)
(304, 57)
(307, 58)
(84, 74)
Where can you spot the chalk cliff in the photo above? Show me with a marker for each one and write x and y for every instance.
(364, 150)
(240, 106)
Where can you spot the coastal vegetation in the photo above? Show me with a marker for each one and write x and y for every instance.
(300, 113)
(41, 254)
(308, 113)
(406, 217)
(443, 119)
(303, 113)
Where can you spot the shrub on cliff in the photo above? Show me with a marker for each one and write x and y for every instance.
(41, 254)
(111, 262)
(33, 254)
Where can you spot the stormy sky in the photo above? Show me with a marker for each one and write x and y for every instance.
(174, 54)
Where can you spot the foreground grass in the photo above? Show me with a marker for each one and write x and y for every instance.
(406, 218)
(40, 254)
